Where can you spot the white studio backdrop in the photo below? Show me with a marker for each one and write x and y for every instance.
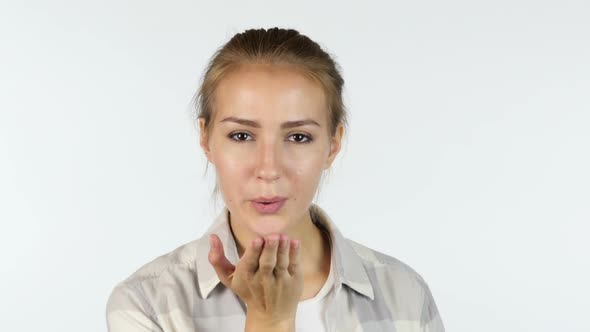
(469, 143)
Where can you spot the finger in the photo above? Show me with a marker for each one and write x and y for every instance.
(283, 255)
(250, 264)
(249, 260)
(222, 266)
(268, 258)
(294, 257)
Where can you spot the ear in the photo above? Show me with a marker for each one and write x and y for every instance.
(203, 139)
(335, 144)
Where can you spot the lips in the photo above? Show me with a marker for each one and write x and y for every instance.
(268, 205)
(268, 199)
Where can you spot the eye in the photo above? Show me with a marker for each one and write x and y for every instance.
(303, 136)
(240, 137)
(241, 133)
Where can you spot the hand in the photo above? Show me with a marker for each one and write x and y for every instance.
(268, 277)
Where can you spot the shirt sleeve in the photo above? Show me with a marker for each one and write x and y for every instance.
(430, 320)
(127, 311)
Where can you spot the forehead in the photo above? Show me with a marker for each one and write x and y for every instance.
(270, 91)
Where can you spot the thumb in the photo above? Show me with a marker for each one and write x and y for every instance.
(223, 267)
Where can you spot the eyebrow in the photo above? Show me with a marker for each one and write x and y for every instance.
(284, 125)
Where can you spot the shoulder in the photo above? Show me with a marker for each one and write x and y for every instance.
(181, 258)
(379, 260)
(142, 287)
(400, 289)
(403, 289)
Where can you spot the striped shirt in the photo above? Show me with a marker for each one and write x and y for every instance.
(180, 291)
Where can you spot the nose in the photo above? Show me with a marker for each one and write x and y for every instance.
(268, 161)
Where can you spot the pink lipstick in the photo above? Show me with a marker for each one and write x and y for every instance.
(268, 206)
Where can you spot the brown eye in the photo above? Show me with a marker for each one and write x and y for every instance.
(302, 138)
(240, 134)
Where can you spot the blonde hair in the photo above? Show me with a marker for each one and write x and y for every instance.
(271, 46)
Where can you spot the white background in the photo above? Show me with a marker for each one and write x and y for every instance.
(468, 154)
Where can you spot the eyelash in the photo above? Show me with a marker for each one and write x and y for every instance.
(309, 138)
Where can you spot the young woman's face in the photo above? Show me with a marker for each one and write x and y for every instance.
(270, 154)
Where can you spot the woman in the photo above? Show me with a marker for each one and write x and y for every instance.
(271, 121)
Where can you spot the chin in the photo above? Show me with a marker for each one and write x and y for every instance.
(268, 225)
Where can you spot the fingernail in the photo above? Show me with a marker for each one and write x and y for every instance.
(257, 243)
(296, 244)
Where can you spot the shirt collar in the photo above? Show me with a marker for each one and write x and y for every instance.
(348, 265)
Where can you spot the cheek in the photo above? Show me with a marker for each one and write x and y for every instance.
(228, 160)
(307, 174)
(229, 165)
(234, 183)
(231, 173)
